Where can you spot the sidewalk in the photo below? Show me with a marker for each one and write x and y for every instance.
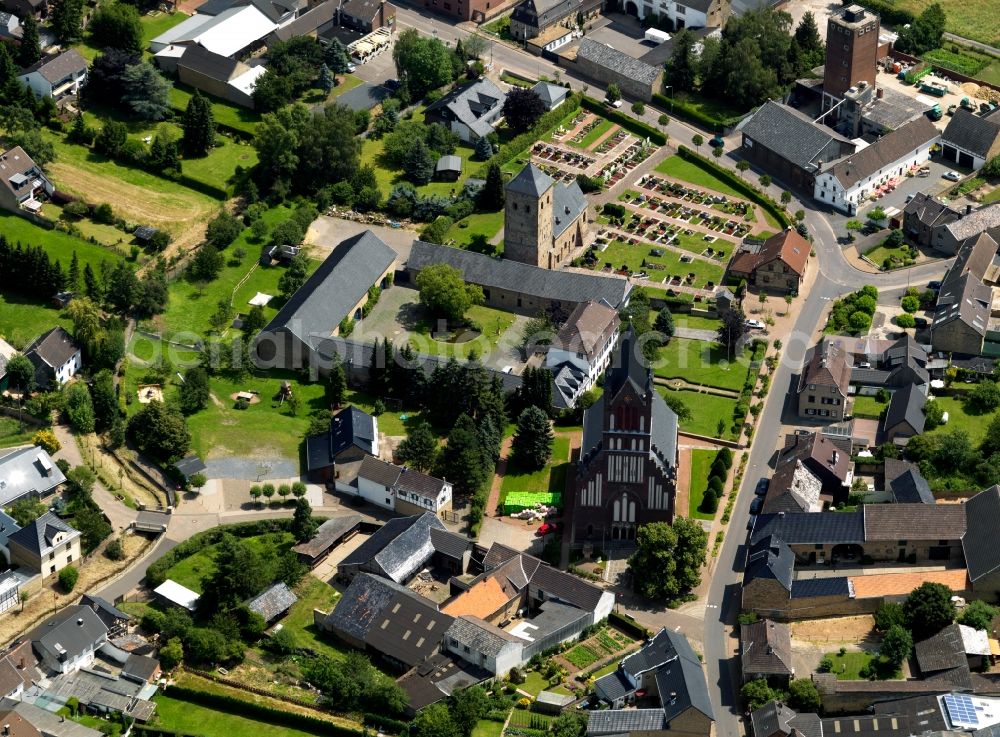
(120, 516)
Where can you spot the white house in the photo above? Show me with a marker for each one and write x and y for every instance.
(687, 14)
(402, 490)
(56, 357)
(375, 482)
(581, 351)
(470, 112)
(845, 184)
(67, 641)
(486, 645)
(58, 76)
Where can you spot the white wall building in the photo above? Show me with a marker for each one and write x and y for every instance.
(399, 489)
(56, 77)
(581, 351)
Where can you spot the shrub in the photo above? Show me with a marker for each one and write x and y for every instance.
(906, 321)
(68, 577)
(115, 550)
(910, 304)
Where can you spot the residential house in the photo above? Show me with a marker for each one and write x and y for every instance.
(113, 618)
(545, 221)
(789, 145)
(955, 646)
(778, 265)
(682, 13)
(18, 669)
(581, 351)
(477, 11)
(963, 319)
(27, 471)
(334, 294)
(812, 470)
(336, 456)
(522, 288)
(766, 652)
(486, 645)
(103, 693)
(46, 545)
(367, 16)
(982, 554)
(418, 492)
(470, 112)
(553, 95)
(44, 721)
(329, 535)
(847, 183)
(273, 602)
(627, 473)
(924, 216)
(277, 11)
(376, 482)
(404, 545)
(824, 384)
(68, 640)
(25, 186)
(56, 357)
(7, 352)
(888, 364)
(10, 28)
(667, 669)
(905, 483)
(607, 65)
(951, 235)
(214, 74)
(776, 719)
(312, 23)
(238, 32)
(970, 140)
(57, 76)
(904, 417)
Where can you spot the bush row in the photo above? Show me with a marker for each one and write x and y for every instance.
(889, 13)
(692, 113)
(734, 181)
(628, 123)
(547, 122)
(628, 625)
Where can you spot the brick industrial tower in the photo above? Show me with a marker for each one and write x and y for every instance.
(851, 52)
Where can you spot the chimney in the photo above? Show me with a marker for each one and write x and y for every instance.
(6, 729)
(673, 697)
(836, 457)
(879, 93)
(968, 209)
(21, 665)
(79, 622)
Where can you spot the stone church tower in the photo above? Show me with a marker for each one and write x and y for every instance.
(544, 221)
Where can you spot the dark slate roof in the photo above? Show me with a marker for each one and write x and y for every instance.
(617, 61)
(568, 201)
(930, 211)
(884, 152)
(911, 487)
(656, 652)
(38, 536)
(565, 286)
(54, 347)
(685, 678)
(471, 103)
(773, 717)
(57, 68)
(361, 9)
(327, 533)
(982, 514)
(363, 97)
(530, 181)
(943, 651)
(308, 22)
(415, 482)
(379, 472)
(614, 685)
(830, 528)
(543, 13)
(481, 636)
(344, 277)
(349, 427)
(190, 465)
(789, 133)
(400, 547)
(550, 94)
(623, 721)
(766, 647)
(101, 605)
(214, 66)
(890, 522)
(971, 132)
(214, 7)
(449, 543)
(27, 470)
(566, 587)
(76, 629)
(273, 601)
(770, 558)
(810, 587)
(140, 667)
(906, 406)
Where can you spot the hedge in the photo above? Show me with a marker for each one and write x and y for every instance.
(145, 729)
(890, 15)
(628, 625)
(686, 111)
(628, 123)
(517, 144)
(734, 181)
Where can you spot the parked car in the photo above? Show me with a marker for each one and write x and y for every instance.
(716, 142)
(934, 284)
(920, 323)
(952, 176)
(616, 104)
(756, 505)
(391, 84)
(351, 69)
(507, 369)
(910, 197)
(754, 324)
(763, 484)
(546, 527)
(925, 171)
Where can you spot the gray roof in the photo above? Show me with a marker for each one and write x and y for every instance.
(105, 607)
(809, 588)
(657, 651)
(39, 536)
(46, 722)
(140, 667)
(568, 201)
(308, 22)
(963, 295)
(363, 97)
(450, 543)
(930, 211)
(776, 717)
(481, 636)
(530, 181)
(682, 684)
(421, 484)
(971, 133)
(378, 471)
(400, 547)
(214, 66)
(943, 651)
(984, 218)
(770, 558)
(328, 296)
(328, 533)
(273, 601)
(543, 13)
(74, 630)
(613, 685)
(449, 163)
(766, 647)
(789, 133)
(190, 465)
(566, 587)
(911, 487)
(884, 152)
(55, 69)
(906, 406)
(471, 103)
(26, 470)
(564, 286)
(623, 721)
(550, 94)
(350, 427)
(982, 515)
(53, 348)
(617, 61)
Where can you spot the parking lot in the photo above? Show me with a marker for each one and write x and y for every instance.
(623, 33)
(935, 184)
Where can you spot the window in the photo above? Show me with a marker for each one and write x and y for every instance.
(812, 397)
(819, 546)
(52, 555)
(52, 569)
(902, 543)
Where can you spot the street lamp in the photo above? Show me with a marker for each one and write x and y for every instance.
(671, 88)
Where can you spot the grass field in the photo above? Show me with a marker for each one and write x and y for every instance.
(552, 478)
(183, 716)
(493, 324)
(22, 320)
(154, 24)
(477, 230)
(701, 461)
(848, 667)
(534, 682)
(699, 362)
(239, 118)
(218, 168)
(638, 258)
(868, 407)
(487, 728)
(191, 570)
(313, 594)
(707, 412)
(601, 129)
(975, 20)
(697, 322)
(11, 433)
(974, 425)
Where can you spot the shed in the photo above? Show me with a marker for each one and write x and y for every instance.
(448, 169)
(145, 233)
(273, 602)
(330, 534)
(549, 702)
(172, 593)
(190, 465)
(268, 255)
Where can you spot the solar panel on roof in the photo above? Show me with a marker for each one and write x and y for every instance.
(961, 710)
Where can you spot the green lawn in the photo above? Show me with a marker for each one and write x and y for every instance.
(609, 668)
(11, 433)
(868, 407)
(848, 667)
(87, 720)
(699, 362)
(707, 412)
(534, 682)
(492, 324)
(477, 230)
(313, 594)
(552, 478)
(237, 117)
(601, 129)
(638, 258)
(900, 256)
(487, 728)
(701, 461)
(219, 167)
(22, 320)
(697, 322)
(184, 716)
(190, 571)
(155, 24)
(974, 425)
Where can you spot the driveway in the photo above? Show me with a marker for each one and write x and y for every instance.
(327, 232)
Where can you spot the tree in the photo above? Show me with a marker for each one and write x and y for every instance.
(979, 615)
(678, 405)
(522, 109)
(928, 609)
(420, 446)
(67, 21)
(444, 293)
(697, 140)
(335, 57)
(422, 64)
(665, 323)
(532, 444)
(807, 45)
(434, 721)
(104, 397)
(68, 576)
(681, 68)
(569, 724)
(462, 460)
(889, 613)
(160, 431)
(493, 194)
(803, 695)
(146, 91)
(116, 25)
(30, 49)
(419, 163)
(757, 694)
(199, 126)
(467, 707)
(731, 331)
(765, 180)
(303, 525)
(223, 229)
(294, 276)
(47, 441)
(613, 94)
(172, 654)
(26, 510)
(21, 373)
(668, 560)
(195, 392)
(897, 643)
(484, 149)
(985, 396)
(742, 165)
(924, 33)
(79, 408)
